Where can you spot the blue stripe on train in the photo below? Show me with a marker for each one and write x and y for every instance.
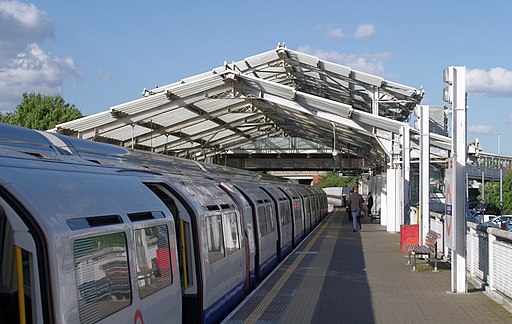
(253, 279)
(267, 267)
(216, 312)
(286, 249)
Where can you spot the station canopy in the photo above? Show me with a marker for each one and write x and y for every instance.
(279, 93)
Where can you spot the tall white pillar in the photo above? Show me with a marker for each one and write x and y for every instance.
(383, 199)
(455, 76)
(424, 173)
(406, 171)
(394, 195)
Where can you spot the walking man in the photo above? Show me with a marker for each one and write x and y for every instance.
(369, 202)
(355, 202)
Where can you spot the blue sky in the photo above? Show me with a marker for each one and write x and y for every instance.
(101, 53)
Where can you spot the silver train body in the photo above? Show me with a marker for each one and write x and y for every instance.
(95, 233)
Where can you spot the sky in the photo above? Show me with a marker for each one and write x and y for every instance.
(97, 54)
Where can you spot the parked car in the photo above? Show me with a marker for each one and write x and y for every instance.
(503, 221)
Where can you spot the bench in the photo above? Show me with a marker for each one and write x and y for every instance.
(429, 248)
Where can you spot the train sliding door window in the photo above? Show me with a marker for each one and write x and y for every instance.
(153, 259)
(262, 221)
(270, 218)
(285, 212)
(232, 233)
(215, 238)
(102, 276)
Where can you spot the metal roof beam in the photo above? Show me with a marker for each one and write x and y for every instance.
(190, 122)
(228, 126)
(161, 105)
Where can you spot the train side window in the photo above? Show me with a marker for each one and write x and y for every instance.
(153, 259)
(215, 238)
(262, 220)
(102, 276)
(231, 230)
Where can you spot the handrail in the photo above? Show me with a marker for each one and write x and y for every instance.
(21, 287)
(498, 232)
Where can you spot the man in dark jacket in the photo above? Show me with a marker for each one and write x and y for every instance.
(355, 202)
(369, 202)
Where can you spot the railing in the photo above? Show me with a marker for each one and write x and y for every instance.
(488, 257)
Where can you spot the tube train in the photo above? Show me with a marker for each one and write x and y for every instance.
(95, 233)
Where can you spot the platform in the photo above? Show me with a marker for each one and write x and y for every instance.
(339, 276)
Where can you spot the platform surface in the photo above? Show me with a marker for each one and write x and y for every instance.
(340, 276)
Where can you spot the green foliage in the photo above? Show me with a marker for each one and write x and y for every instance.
(333, 179)
(41, 112)
(492, 193)
(507, 194)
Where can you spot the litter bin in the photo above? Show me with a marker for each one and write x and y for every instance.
(409, 234)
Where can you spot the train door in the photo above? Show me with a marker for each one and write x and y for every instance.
(264, 228)
(158, 290)
(306, 208)
(283, 220)
(189, 267)
(223, 264)
(20, 287)
(248, 233)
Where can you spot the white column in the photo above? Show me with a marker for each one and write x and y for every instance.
(456, 76)
(406, 170)
(424, 173)
(394, 193)
(383, 199)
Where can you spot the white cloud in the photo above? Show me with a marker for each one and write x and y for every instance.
(334, 32)
(21, 24)
(365, 31)
(369, 63)
(481, 129)
(495, 82)
(24, 65)
(104, 75)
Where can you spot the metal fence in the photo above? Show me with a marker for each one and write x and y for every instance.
(488, 257)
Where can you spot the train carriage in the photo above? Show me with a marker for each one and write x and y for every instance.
(109, 256)
(212, 255)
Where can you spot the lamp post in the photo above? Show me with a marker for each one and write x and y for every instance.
(501, 170)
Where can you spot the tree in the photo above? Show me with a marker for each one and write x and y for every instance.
(333, 179)
(492, 193)
(41, 112)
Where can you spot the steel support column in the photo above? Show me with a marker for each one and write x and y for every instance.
(459, 282)
(424, 172)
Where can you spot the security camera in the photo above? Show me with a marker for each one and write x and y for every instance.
(334, 153)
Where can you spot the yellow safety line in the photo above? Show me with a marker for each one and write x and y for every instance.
(183, 254)
(271, 295)
(21, 288)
